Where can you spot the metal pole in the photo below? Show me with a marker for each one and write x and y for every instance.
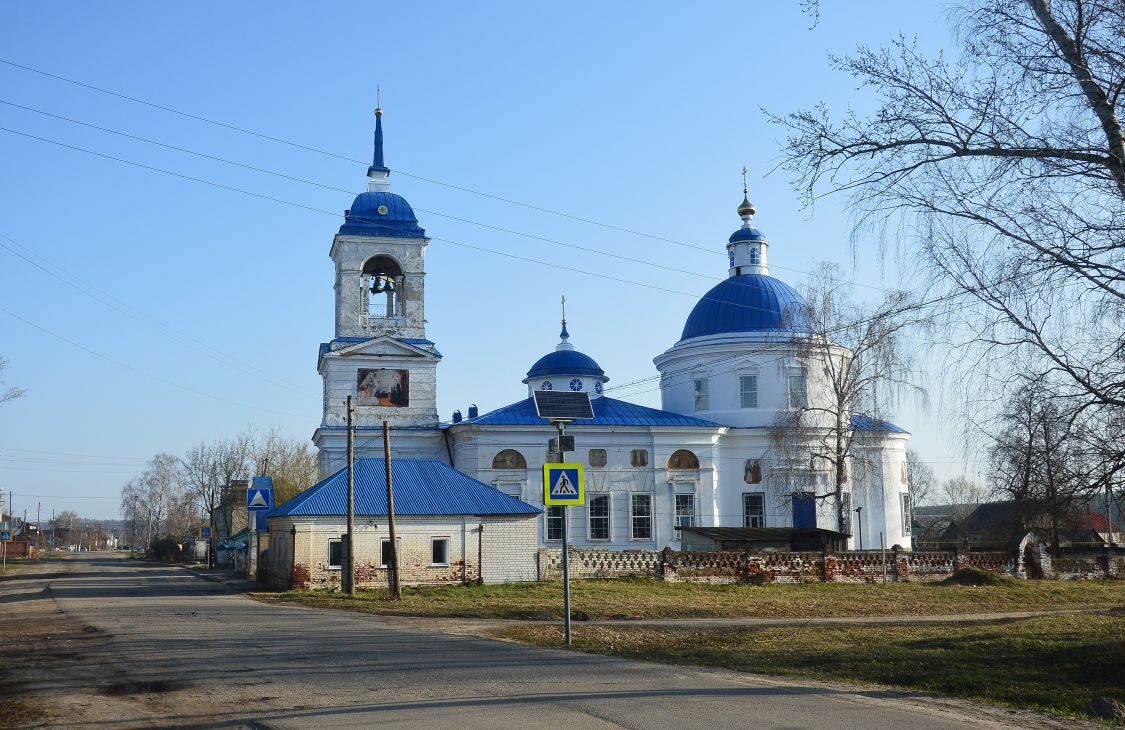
(566, 547)
(859, 514)
(883, 557)
(396, 594)
(349, 560)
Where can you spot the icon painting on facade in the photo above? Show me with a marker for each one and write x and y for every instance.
(383, 387)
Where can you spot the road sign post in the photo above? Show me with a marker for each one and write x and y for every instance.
(5, 538)
(563, 484)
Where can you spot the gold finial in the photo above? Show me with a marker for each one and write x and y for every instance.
(747, 210)
(378, 101)
(564, 308)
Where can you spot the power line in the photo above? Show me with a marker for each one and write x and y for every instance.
(335, 215)
(622, 229)
(160, 328)
(127, 366)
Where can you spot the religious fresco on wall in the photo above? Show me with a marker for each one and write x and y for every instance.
(383, 387)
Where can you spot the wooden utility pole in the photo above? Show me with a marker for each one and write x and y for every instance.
(349, 558)
(392, 566)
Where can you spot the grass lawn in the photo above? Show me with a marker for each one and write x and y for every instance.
(640, 598)
(1053, 663)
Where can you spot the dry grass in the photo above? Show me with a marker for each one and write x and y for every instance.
(1056, 663)
(651, 599)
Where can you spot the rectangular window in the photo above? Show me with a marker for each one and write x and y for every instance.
(639, 457)
(598, 511)
(685, 511)
(640, 517)
(335, 553)
(554, 519)
(439, 547)
(597, 457)
(906, 513)
(701, 402)
(385, 551)
(798, 391)
(753, 509)
(748, 391)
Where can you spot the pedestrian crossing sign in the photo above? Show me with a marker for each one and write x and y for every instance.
(563, 484)
(5, 535)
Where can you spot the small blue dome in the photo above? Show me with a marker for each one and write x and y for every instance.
(747, 303)
(747, 234)
(565, 362)
(381, 214)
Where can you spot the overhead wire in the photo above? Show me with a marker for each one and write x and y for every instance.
(309, 148)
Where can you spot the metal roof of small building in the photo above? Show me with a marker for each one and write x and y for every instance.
(565, 362)
(421, 487)
(748, 233)
(867, 423)
(365, 219)
(746, 303)
(607, 412)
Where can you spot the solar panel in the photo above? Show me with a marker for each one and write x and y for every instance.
(558, 405)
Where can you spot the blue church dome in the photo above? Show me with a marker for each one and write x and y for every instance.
(381, 214)
(746, 234)
(747, 303)
(565, 362)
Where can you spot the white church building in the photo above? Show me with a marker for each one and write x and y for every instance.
(702, 460)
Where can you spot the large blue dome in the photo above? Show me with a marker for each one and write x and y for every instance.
(565, 362)
(747, 303)
(381, 214)
(746, 234)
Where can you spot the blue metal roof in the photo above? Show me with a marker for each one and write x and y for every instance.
(747, 234)
(565, 362)
(746, 303)
(607, 412)
(421, 487)
(364, 218)
(867, 423)
(326, 347)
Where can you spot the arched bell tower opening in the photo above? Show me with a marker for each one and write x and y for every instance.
(382, 285)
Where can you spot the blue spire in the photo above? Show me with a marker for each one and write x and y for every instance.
(378, 165)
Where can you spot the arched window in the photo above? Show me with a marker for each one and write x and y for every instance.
(509, 459)
(381, 284)
(683, 459)
(754, 255)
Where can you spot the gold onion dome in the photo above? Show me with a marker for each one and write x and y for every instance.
(747, 208)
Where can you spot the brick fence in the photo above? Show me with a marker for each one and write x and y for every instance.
(829, 567)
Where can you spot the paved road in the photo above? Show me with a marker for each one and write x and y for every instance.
(174, 649)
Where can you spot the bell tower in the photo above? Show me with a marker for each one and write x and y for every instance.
(380, 355)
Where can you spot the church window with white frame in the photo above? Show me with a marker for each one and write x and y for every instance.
(553, 516)
(598, 512)
(702, 402)
(748, 391)
(685, 512)
(798, 389)
(640, 517)
(753, 509)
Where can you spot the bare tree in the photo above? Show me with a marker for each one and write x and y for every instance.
(921, 478)
(963, 495)
(1004, 168)
(13, 392)
(866, 369)
(291, 463)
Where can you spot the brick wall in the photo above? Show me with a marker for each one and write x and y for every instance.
(301, 560)
(791, 567)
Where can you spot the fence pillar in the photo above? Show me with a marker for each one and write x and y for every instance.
(660, 567)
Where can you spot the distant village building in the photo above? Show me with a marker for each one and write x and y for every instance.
(702, 460)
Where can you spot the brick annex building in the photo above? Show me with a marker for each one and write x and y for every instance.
(703, 460)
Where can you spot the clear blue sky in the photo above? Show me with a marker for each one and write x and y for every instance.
(639, 118)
